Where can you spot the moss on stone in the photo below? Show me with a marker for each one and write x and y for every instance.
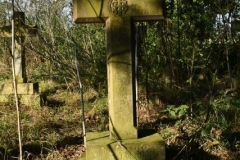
(101, 147)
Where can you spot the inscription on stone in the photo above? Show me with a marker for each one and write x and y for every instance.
(118, 7)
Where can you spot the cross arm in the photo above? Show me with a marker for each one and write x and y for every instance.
(26, 30)
(90, 11)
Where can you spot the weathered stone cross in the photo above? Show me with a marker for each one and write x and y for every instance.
(119, 16)
(21, 30)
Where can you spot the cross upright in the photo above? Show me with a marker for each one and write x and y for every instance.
(21, 30)
(119, 15)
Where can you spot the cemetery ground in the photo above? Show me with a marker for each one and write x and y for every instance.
(54, 131)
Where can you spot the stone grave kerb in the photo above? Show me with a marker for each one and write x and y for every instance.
(119, 15)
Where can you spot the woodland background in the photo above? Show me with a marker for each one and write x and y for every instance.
(188, 79)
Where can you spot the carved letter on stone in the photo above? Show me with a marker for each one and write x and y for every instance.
(118, 7)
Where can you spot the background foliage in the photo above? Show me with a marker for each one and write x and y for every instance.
(188, 64)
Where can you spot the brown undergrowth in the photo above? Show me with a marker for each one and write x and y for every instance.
(54, 130)
(195, 132)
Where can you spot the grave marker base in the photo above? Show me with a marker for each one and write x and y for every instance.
(101, 147)
(27, 93)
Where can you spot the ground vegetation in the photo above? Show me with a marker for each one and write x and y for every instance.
(188, 80)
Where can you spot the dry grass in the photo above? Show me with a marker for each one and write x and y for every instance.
(53, 131)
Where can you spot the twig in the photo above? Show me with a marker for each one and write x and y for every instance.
(15, 87)
(180, 152)
(81, 96)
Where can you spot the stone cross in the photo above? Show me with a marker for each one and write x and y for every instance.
(119, 15)
(21, 30)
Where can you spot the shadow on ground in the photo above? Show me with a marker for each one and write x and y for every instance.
(29, 150)
(37, 150)
(146, 132)
(187, 153)
(77, 140)
(54, 103)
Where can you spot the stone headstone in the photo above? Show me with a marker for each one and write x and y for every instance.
(119, 17)
(28, 92)
(21, 30)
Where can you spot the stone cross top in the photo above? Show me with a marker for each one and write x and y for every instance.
(21, 30)
(119, 16)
